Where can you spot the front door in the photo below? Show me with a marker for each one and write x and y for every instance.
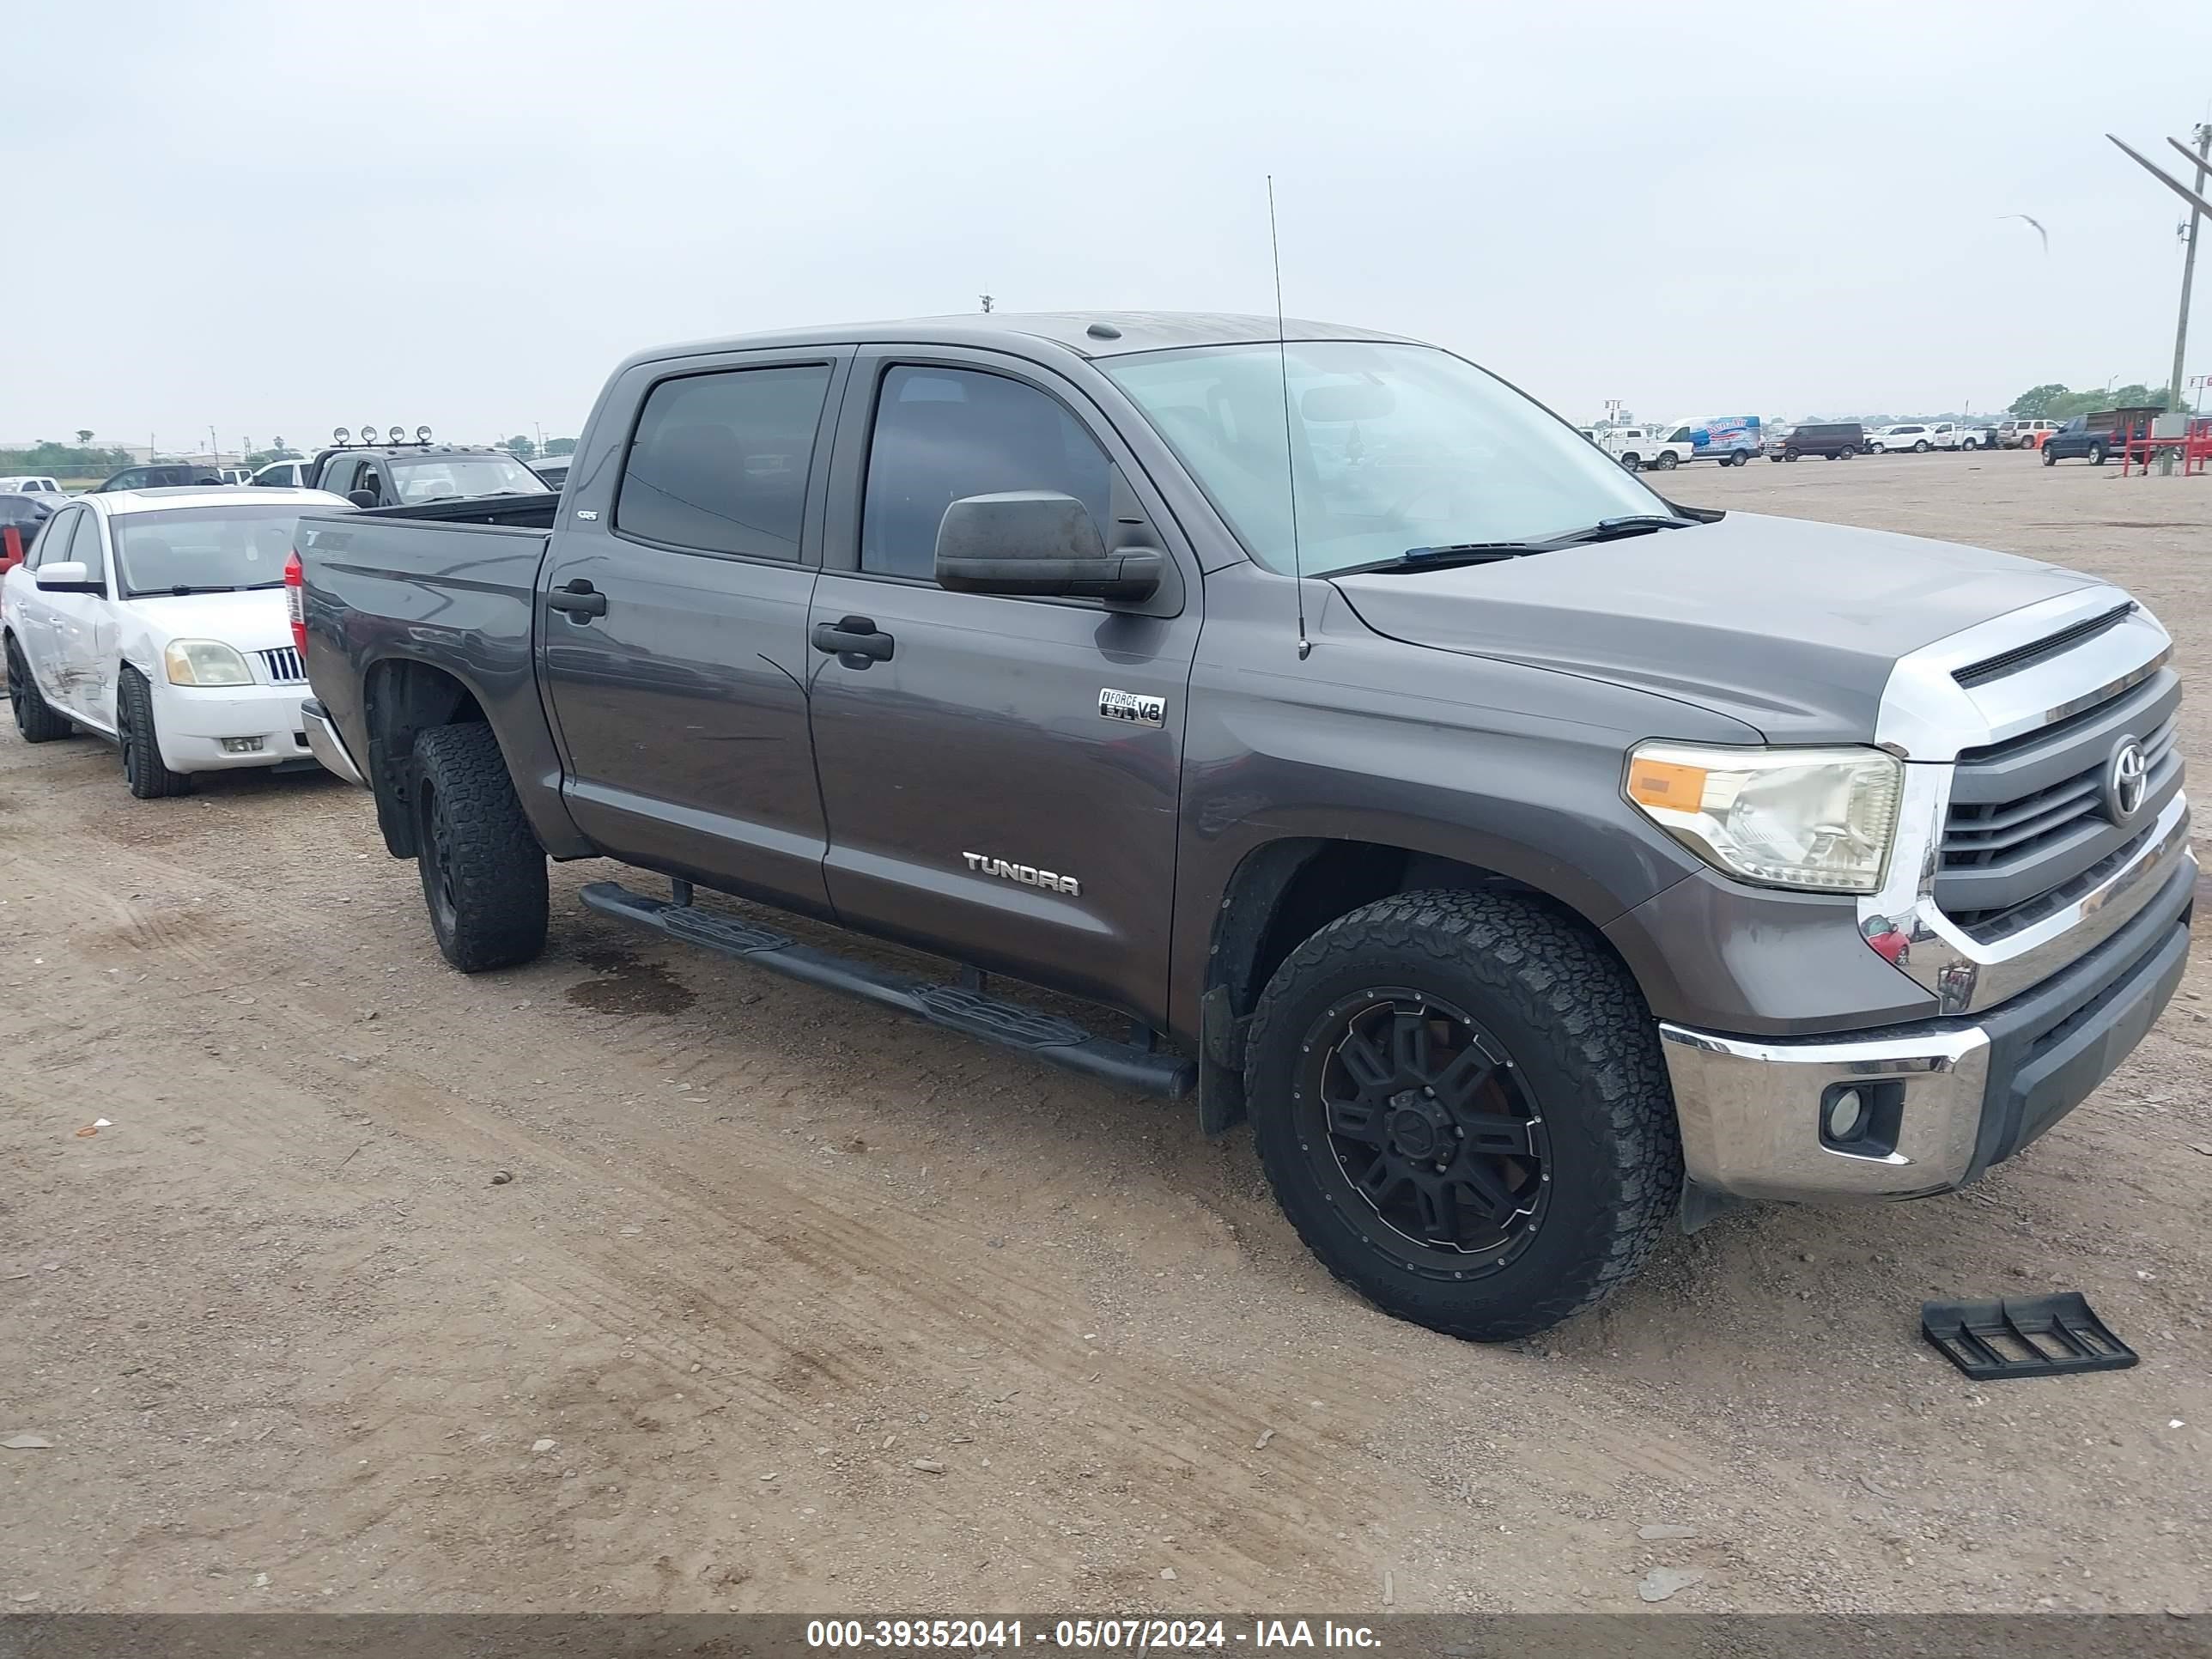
(85, 640)
(672, 625)
(1002, 787)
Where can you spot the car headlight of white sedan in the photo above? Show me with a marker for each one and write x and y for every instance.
(205, 662)
(1821, 820)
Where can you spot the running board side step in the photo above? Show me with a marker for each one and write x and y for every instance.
(958, 1008)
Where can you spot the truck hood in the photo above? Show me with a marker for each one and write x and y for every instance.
(247, 622)
(1790, 626)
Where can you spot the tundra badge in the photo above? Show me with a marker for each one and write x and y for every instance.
(1028, 874)
(1134, 707)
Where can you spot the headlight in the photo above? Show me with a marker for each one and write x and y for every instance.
(1816, 818)
(204, 662)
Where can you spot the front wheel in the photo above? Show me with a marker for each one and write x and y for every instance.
(1459, 1100)
(2050, 456)
(483, 873)
(143, 769)
(1922, 448)
(36, 719)
(2096, 454)
(1667, 460)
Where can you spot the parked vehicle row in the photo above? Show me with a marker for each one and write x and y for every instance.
(1537, 864)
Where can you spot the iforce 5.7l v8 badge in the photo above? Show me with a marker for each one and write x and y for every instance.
(1133, 708)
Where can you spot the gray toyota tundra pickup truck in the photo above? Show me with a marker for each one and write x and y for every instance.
(1534, 862)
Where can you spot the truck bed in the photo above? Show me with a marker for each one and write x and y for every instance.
(533, 511)
(449, 587)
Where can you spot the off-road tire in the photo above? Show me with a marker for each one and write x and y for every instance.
(1580, 1036)
(36, 719)
(482, 870)
(143, 769)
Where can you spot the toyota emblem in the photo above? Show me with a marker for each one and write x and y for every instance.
(2127, 781)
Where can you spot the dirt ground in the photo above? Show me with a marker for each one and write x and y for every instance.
(791, 1304)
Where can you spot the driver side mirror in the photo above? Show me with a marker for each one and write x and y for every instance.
(1038, 544)
(70, 576)
(362, 497)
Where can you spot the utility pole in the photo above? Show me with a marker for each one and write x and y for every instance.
(2204, 137)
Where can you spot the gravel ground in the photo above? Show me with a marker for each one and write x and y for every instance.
(790, 1305)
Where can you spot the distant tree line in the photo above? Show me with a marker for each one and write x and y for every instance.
(50, 459)
(526, 448)
(2055, 403)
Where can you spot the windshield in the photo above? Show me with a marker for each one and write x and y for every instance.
(456, 478)
(197, 547)
(1397, 447)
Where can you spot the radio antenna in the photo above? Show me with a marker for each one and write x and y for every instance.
(1289, 473)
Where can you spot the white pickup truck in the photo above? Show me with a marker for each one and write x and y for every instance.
(1637, 447)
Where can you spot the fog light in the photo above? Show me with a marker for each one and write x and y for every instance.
(1845, 1116)
(241, 745)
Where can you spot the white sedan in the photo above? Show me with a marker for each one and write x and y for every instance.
(156, 618)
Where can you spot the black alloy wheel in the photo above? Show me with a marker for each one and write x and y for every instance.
(1423, 1132)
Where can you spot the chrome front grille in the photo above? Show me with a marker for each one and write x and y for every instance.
(2029, 819)
(284, 666)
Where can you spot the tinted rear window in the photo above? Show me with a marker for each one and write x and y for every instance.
(720, 460)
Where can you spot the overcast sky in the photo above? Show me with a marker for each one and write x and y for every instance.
(285, 218)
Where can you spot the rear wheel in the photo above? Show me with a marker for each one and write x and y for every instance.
(1459, 1100)
(483, 873)
(1665, 460)
(35, 718)
(1844, 453)
(1631, 462)
(143, 769)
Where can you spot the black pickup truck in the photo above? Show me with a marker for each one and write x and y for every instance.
(1534, 861)
(372, 472)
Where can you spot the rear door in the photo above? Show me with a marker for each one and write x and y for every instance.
(1001, 789)
(672, 623)
(34, 619)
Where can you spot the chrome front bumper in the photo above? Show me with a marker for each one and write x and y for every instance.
(324, 743)
(1947, 1097)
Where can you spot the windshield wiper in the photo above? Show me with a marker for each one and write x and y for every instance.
(1631, 523)
(182, 590)
(1443, 558)
(1459, 553)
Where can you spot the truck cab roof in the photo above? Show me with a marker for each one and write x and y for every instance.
(1083, 333)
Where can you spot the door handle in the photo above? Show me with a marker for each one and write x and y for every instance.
(854, 641)
(580, 600)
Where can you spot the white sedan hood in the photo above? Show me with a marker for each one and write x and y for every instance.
(246, 622)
